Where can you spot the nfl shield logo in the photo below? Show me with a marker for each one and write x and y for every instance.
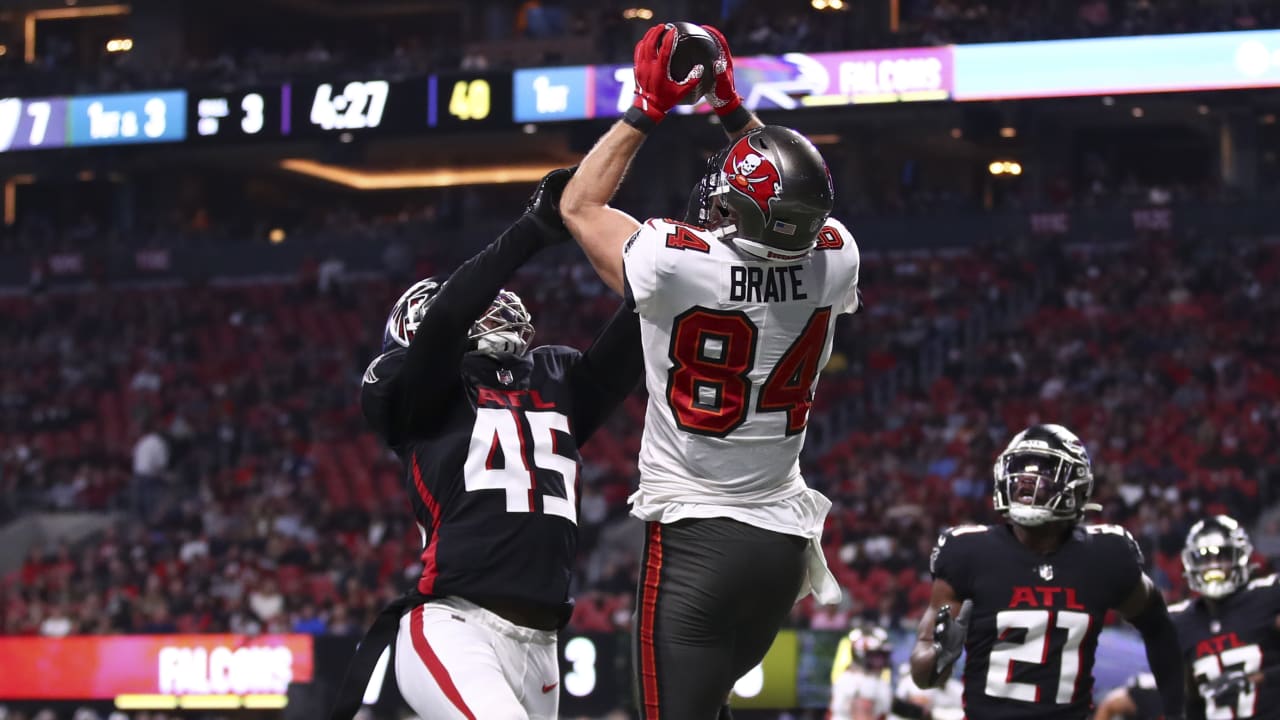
(1046, 571)
(505, 377)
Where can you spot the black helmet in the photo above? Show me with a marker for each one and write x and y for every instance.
(1215, 559)
(769, 191)
(1044, 475)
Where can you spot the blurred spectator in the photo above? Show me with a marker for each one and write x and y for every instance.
(150, 460)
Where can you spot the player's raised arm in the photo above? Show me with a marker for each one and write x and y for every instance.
(600, 229)
(735, 118)
(441, 335)
(1144, 608)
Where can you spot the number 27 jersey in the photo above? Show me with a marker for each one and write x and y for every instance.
(733, 346)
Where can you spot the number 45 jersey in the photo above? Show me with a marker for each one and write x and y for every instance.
(1239, 635)
(494, 480)
(1036, 618)
(733, 346)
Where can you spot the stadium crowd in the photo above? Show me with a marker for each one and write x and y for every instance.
(218, 421)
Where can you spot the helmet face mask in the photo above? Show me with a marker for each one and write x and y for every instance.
(1216, 557)
(1043, 476)
(506, 327)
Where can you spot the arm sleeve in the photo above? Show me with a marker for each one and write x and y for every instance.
(839, 240)
(947, 562)
(378, 394)
(1164, 656)
(640, 266)
(1129, 572)
(430, 368)
(608, 372)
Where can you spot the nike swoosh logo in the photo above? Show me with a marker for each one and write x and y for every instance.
(549, 688)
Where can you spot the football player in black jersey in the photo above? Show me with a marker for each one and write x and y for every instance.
(489, 432)
(1137, 699)
(1230, 635)
(1032, 593)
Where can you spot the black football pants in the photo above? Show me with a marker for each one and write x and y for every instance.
(713, 593)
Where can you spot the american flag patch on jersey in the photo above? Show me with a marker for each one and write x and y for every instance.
(785, 228)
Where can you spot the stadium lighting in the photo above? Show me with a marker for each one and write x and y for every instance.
(359, 179)
(1004, 167)
(957, 133)
(276, 236)
(1008, 131)
(1137, 112)
(4, 50)
(819, 4)
(637, 14)
(117, 45)
(835, 4)
(1203, 109)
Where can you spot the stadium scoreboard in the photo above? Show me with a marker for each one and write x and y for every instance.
(343, 107)
(241, 115)
(469, 100)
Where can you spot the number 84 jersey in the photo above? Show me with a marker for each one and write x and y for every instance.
(1238, 635)
(1036, 618)
(733, 345)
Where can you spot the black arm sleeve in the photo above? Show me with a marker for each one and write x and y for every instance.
(431, 365)
(607, 373)
(1196, 709)
(1163, 654)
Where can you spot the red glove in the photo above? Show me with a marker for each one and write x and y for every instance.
(725, 98)
(656, 91)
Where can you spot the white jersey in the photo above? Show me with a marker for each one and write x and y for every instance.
(854, 685)
(943, 703)
(733, 347)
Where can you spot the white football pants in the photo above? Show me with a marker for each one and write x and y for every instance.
(457, 661)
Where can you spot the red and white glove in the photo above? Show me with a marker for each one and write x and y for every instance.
(656, 91)
(725, 98)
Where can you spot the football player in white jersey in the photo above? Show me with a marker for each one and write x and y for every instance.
(864, 689)
(737, 307)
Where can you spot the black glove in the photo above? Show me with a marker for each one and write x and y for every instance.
(544, 205)
(1225, 689)
(948, 637)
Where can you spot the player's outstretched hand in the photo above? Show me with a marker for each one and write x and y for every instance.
(949, 635)
(725, 98)
(544, 205)
(656, 91)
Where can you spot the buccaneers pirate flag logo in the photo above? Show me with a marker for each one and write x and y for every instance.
(752, 174)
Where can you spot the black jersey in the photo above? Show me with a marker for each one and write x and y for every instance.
(495, 484)
(490, 443)
(1036, 618)
(1145, 697)
(1236, 633)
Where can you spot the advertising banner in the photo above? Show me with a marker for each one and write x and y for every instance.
(1115, 66)
(109, 667)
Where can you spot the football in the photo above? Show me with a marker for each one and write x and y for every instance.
(693, 46)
